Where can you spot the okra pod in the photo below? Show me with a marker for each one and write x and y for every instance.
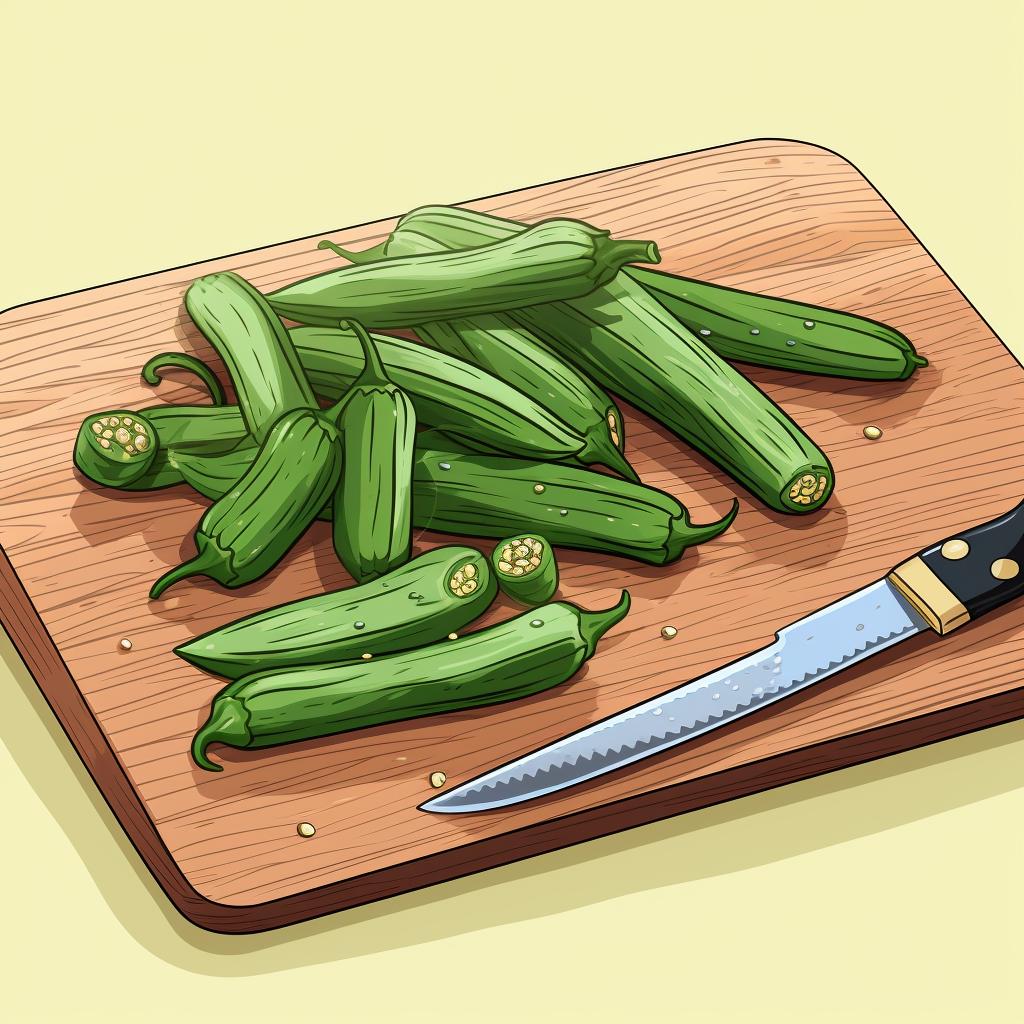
(498, 345)
(372, 528)
(416, 604)
(115, 448)
(522, 656)
(248, 530)
(526, 569)
(253, 343)
(627, 341)
(552, 260)
(446, 393)
(492, 496)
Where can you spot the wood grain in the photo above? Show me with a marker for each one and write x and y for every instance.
(780, 217)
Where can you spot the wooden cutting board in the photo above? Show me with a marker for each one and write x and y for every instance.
(774, 216)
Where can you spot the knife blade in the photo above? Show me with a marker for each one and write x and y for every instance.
(940, 589)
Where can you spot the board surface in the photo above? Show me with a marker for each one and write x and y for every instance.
(780, 217)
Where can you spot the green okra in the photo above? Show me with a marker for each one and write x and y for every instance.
(412, 606)
(526, 569)
(627, 341)
(493, 496)
(447, 393)
(551, 260)
(247, 531)
(372, 526)
(766, 331)
(497, 344)
(253, 343)
(522, 656)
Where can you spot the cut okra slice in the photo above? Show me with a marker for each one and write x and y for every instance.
(114, 448)
(526, 569)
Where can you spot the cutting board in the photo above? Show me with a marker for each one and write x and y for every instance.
(780, 217)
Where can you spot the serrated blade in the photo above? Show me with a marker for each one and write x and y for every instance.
(804, 653)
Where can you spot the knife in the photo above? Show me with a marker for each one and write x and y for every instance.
(941, 588)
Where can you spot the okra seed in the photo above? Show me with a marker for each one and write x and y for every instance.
(611, 421)
(563, 511)
(468, 587)
(142, 442)
(104, 443)
(127, 421)
(872, 433)
(535, 561)
(536, 623)
(139, 428)
(808, 324)
(438, 779)
(469, 571)
(517, 570)
(790, 342)
(359, 625)
(97, 429)
(668, 632)
(306, 830)
(108, 434)
(122, 436)
(114, 421)
(130, 449)
(125, 645)
(413, 596)
(523, 562)
(444, 465)
(367, 656)
(538, 488)
(615, 439)
(754, 330)
(459, 578)
(505, 566)
(453, 636)
(705, 332)
(454, 586)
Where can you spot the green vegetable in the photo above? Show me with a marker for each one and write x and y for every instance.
(552, 260)
(490, 496)
(526, 569)
(495, 343)
(252, 341)
(523, 656)
(248, 530)
(446, 393)
(766, 331)
(372, 528)
(151, 372)
(115, 448)
(412, 606)
(627, 341)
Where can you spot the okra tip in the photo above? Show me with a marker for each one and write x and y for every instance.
(363, 256)
(210, 558)
(620, 251)
(228, 723)
(182, 361)
(594, 625)
(685, 533)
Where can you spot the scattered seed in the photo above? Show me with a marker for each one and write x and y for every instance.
(872, 433)
(438, 779)
(705, 332)
(125, 645)
(359, 625)
(453, 636)
(754, 330)
(444, 465)
(668, 632)
(538, 488)
(305, 829)
(367, 656)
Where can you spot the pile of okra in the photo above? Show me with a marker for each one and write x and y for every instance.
(488, 425)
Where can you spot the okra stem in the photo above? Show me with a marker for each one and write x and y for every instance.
(181, 361)
(229, 724)
(594, 625)
(370, 255)
(210, 556)
(373, 372)
(626, 250)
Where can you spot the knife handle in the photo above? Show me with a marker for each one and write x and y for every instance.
(966, 575)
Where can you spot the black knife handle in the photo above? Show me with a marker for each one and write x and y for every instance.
(967, 575)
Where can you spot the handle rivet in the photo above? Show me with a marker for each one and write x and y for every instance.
(954, 549)
(1004, 569)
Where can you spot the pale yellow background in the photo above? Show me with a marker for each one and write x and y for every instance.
(136, 141)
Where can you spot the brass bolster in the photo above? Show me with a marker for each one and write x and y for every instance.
(931, 598)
